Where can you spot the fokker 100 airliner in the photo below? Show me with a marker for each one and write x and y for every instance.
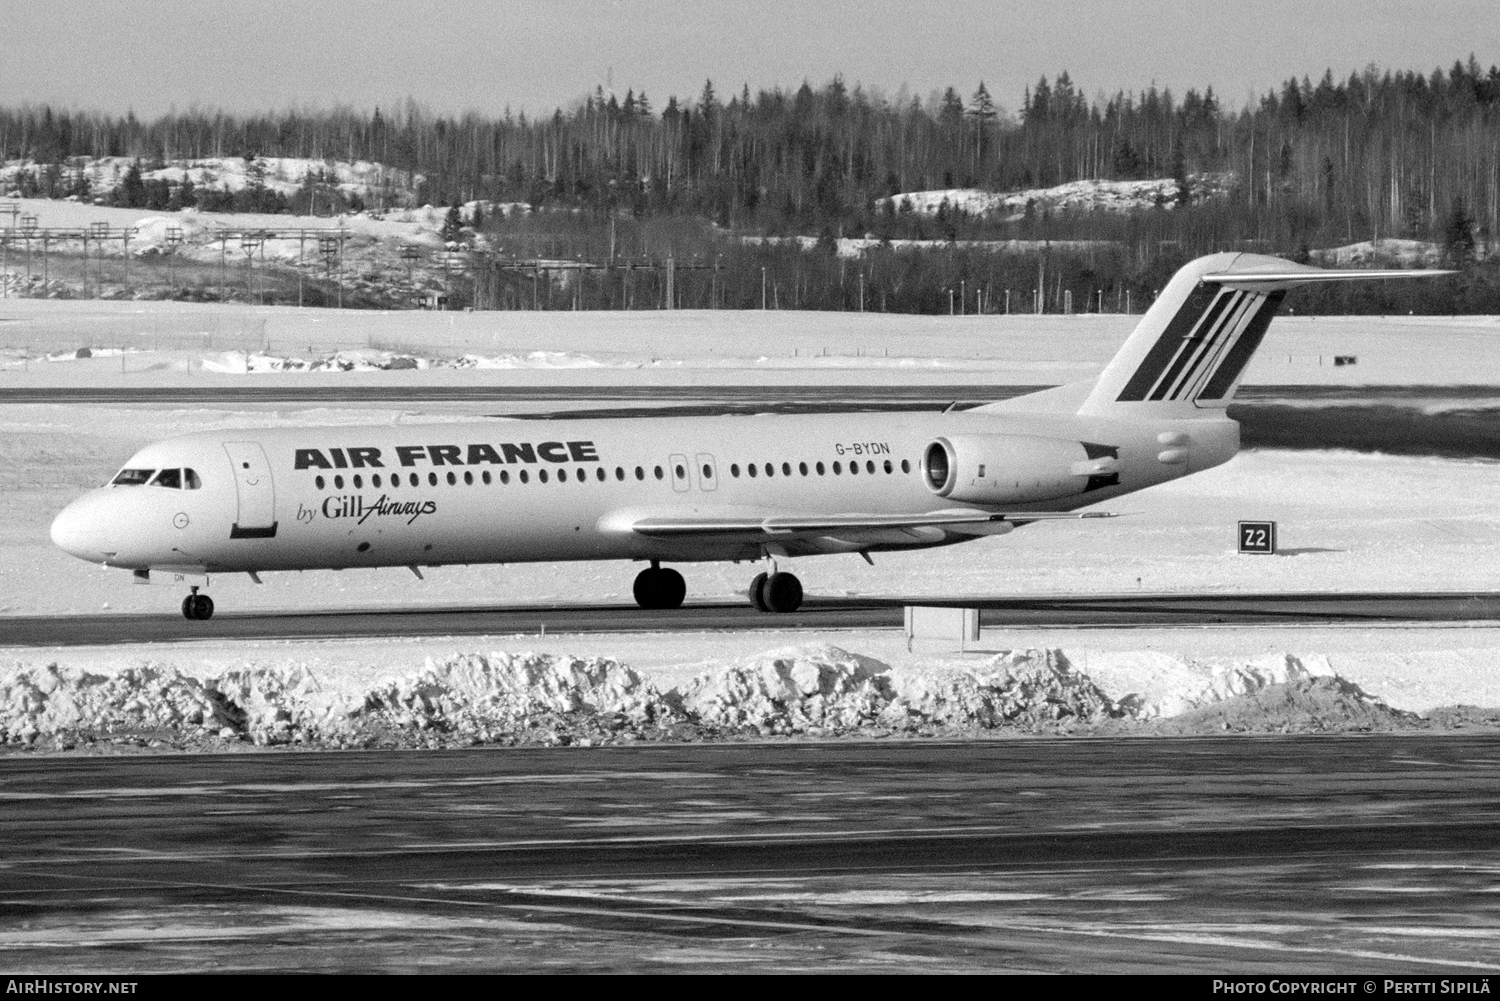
(692, 489)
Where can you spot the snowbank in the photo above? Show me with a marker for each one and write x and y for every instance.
(812, 690)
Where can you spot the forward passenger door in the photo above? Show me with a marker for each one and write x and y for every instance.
(256, 513)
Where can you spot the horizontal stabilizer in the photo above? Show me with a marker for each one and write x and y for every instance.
(1305, 276)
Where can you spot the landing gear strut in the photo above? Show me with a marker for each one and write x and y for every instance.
(776, 592)
(656, 588)
(197, 606)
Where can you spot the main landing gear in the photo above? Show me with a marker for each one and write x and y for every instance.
(656, 588)
(776, 592)
(197, 606)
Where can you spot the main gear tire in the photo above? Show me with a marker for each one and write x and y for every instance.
(757, 592)
(659, 589)
(782, 592)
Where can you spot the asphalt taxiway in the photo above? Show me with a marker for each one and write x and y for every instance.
(1214, 855)
(1114, 611)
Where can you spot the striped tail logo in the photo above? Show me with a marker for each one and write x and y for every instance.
(1205, 346)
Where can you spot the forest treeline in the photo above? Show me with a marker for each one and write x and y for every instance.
(1372, 155)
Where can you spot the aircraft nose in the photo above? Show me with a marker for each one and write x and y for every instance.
(81, 530)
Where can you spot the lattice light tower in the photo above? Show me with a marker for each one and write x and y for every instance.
(99, 232)
(250, 243)
(174, 241)
(455, 263)
(29, 223)
(331, 247)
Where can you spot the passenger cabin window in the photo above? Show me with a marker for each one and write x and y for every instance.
(132, 477)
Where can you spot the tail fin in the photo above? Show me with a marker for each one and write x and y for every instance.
(1191, 348)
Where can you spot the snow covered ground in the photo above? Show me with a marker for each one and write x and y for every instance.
(850, 247)
(369, 181)
(168, 343)
(1075, 196)
(372, 244)
(1348, 522)
(418, 225)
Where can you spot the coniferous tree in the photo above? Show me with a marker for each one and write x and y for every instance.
(453, 224)
(132, 191)
(1458, 237)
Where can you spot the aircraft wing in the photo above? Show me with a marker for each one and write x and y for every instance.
(959, 520)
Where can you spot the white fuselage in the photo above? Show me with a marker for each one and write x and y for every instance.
(501, 491)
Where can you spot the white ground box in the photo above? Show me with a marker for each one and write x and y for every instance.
(927, 622)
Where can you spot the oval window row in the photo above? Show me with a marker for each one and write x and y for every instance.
(752, 470)
(394, 480)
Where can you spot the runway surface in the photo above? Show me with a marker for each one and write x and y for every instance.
(501, 392)
(1114, 611)
(1217, 855)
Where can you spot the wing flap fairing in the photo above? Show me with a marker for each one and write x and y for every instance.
(669, 527)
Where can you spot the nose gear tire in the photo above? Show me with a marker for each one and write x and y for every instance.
(198, 607)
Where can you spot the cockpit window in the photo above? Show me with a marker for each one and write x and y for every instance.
(190, 480)
(132, 477)
(169, 478)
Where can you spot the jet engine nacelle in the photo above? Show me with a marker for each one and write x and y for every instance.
(1012, 468)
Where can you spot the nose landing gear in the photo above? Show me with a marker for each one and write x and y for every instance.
(776, 592)
(198, 607)
(656, 588)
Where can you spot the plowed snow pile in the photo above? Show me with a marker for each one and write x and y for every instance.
(817, 690)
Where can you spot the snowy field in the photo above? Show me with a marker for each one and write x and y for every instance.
(193, 344)
(1348, 522)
